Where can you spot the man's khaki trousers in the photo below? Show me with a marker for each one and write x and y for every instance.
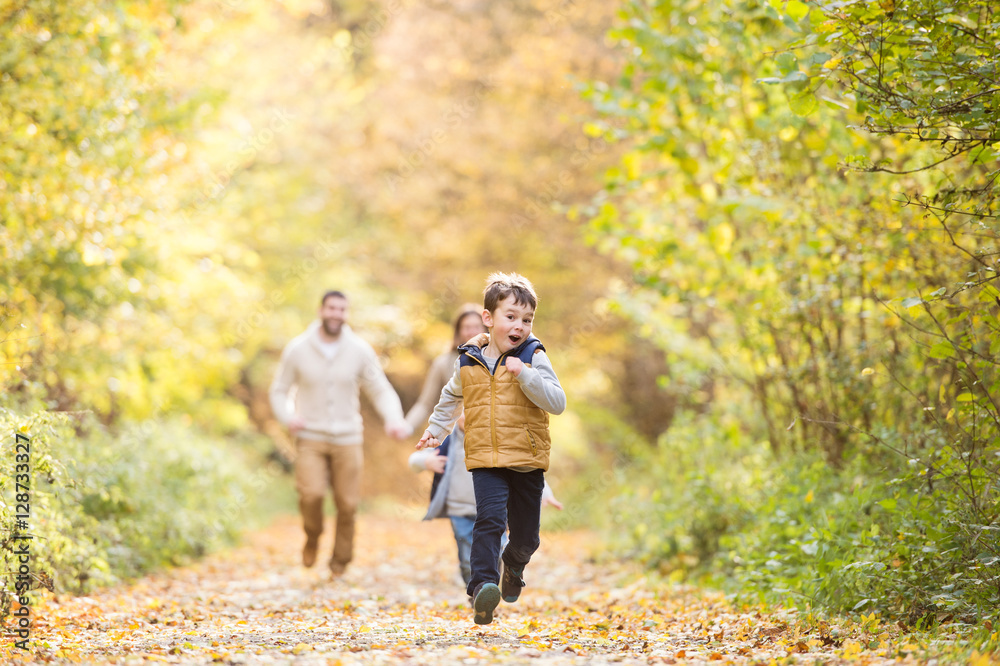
(319, 465)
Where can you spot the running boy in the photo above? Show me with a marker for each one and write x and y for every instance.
(452, 493)
(509, 388)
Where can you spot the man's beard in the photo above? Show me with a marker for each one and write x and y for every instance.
(332, 328)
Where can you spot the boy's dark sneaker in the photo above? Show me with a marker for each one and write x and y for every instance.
(511, 582)
(484, 601)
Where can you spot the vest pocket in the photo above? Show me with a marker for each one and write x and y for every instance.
(531, 439)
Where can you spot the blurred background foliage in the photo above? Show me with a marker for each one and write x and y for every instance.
(817, 262)
(763, 235)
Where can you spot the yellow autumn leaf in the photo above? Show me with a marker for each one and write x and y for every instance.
(851, 649)
(984, 659)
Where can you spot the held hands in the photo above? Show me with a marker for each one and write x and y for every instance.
(436, 464)
(428, 441)
(400, 430)
(515, 365)
(551, 500)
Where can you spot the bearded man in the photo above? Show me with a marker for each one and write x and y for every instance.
(315, 393)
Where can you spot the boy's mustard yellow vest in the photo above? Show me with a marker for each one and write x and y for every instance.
(503, 428)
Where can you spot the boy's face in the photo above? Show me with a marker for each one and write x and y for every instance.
(509, 324)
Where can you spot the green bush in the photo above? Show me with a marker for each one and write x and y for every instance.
(687, 493)
(109, 506)
(899, 547)
(910, 539)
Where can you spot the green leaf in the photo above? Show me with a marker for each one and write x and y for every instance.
(796, 10)
(803, 103)
(797, 76)
(786, 62)
(941, 350)
(819, 58)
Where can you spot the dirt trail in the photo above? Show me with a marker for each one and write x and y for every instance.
(401, 602)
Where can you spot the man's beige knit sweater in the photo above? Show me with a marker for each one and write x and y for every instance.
(324, 392)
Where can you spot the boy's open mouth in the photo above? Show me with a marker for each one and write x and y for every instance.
(514, 338)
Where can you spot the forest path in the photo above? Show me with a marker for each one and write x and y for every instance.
(401, 602)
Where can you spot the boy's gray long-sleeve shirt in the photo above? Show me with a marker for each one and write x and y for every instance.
(539, 383)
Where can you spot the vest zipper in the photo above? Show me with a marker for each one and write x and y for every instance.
(493, 420)
(531, 438)
(493, 409)
(493, 405)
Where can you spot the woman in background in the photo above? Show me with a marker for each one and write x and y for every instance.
(468, 324)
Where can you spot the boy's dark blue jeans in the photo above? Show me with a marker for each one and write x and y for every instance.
(504, 499)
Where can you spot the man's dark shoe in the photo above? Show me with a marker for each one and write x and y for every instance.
(486, 598)
(309, 551)
(511, 582)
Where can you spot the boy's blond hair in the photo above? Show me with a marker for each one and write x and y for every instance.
(501, 285)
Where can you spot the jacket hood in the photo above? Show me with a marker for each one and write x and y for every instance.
(478, 341)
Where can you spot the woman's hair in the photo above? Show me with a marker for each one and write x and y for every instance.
(467, 310)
